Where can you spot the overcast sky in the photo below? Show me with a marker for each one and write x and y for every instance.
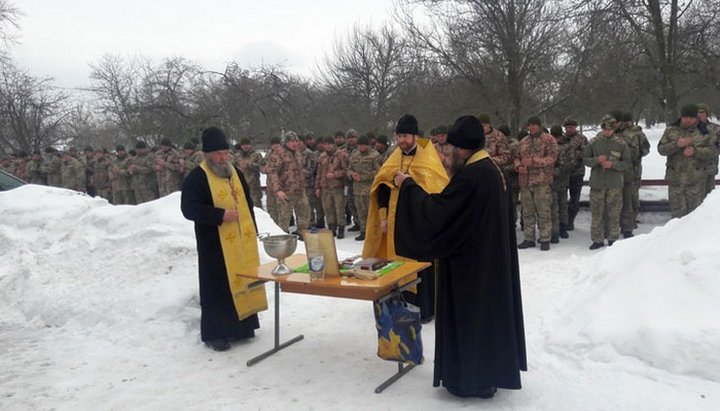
(60, 38)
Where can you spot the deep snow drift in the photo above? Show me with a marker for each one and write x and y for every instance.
(99, 310)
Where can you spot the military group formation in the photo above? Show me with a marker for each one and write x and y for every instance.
(325, 182)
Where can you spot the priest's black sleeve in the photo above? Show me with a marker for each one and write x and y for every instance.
(383, 196)
(196, 200)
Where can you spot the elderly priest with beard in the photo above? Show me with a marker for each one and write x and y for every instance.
(216, 197)
(480, 340)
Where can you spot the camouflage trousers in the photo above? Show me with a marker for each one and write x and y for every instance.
(316, 209)
(536, 204)
(559, 209)
(333, 202)
(123, 197)
(605, 205)
(144, 195)
(636, 198)
(54, 180)
(351, 208)
(299, 203)
(514, 195)
(256, 196)
(684, 198)
(575, 187)
(168, 185)
(362, 204)
(628, 215)
(272, 206)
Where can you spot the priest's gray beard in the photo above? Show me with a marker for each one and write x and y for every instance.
(223, 170)
(457, 162)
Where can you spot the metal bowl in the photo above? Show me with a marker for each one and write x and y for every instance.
(280, 247)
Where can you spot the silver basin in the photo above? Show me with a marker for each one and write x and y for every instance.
(280, 247)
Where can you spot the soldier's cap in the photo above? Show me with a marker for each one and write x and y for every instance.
(351, 132)
(382, 139)
(432, 131)
(291, 136)
(484, 118)
(534, 120)
(556, 131)
(689, 110)
(140, 144)
(339, 134)
(100, 150)
(88, 149)
(302, 137)
(627, 116)
(189, 146)
(213, 139)
(440, 130)
(166, 142)
(275, 140)
(505, 129)
(245, 140)
(702, 107)
(608, 121)
(570, 122)
(617, 115)
(363, 140)
(132, 152)
(329, 140)
(309, 135)
(407, 124)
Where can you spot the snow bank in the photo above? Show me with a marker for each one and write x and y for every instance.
(654, 297)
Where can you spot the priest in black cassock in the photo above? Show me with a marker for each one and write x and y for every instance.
(217, 198)
(479, 333)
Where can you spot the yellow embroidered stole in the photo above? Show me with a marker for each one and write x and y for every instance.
(238, 240)
(427, 171)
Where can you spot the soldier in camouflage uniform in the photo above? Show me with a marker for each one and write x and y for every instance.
(578, 143)
(351, 211)
(511, 176)
(632, 140)
(72, 172)
(630, 126)
(19, 160)
(310, 158)
(120, 179)
(249, 162)
(143, 181)
(688, 152)
(709, 129)
(608, 156)
(496, 143)
(191, 159)
(331, 173)
(537, 154)
(273, 156)
(363, 164)
(382, 146)
(33, 169)
(51, 167)
(167, 170)
(445, 151)
(101, 174)
(561, 180)
(6, 165)
(88, 160)
(287, 179)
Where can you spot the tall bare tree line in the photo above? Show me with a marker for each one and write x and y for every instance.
(436, 59)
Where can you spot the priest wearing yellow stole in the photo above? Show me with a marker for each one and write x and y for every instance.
(217, 198)
(417, 157)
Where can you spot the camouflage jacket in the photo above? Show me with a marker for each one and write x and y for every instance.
(51, 167)
(578, 143)
(542, 151)
(141, 172)
(335, 163)
(564, 165)
(366, 165)
(615, 150)
(167, 166)
(680, 168)
(310, 162)
(119, 174)
(496, 145)
(713, 130)
(286, 173)
(249, 165)
(101, 173)
(632, 139)
(188, 163)
(72, 174)
(34, 173)
(384, 155)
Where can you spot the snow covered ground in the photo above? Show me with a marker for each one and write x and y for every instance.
(99, 310)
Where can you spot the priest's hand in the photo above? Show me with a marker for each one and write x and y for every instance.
(399, 178)
(383, 226)
(230, 216)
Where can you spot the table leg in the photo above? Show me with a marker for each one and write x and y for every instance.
(402, 370)
(277, 346)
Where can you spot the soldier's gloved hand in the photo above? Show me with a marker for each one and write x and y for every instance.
(602, 158)
(230, 216)
(522, 170)
(281, 196)
(527, 161)
(689, 151)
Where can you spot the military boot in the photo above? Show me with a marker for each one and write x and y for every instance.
(554, 239)
(320, 222)
(544, 246)
(526, 244)
(595, 246)
(361, 237)
(571, 222)
(355, 227)
(564, 231)
(333, 229)
(341, 232)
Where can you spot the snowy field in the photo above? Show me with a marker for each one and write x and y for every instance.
(99, 310)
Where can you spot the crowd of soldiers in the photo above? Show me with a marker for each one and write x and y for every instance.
(325, 182)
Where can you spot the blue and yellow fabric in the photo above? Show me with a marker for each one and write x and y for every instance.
(399, 331)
